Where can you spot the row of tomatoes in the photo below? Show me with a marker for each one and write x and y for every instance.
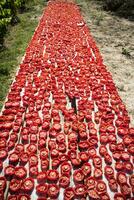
(87, 143)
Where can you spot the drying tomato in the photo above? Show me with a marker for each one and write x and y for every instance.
(33, 171)
(80, 191)
(33, 160)
(69, 193)
(92, 152)
(66, 168)
(31, 149)
(84, 156)
(93, 194)
(101, 187)
(119, 196)
(97, 173)
(97, 162)
(121, 178)
(15, 186)
(90, 182)
(113, 184)
(2, 183)
(130, 149)
(78, 176)
(24, 158)
(24, 196)
(86, 169)
(41, 177)
(13, 158)
(76, 162)
(119, 166)
(20, 173)
(108, 159)
(102, 150)
(64, 181)
(3, 154)
(53, 191)
(128, 167)
(109, 172)
(42, 189)
(125, 156)
(55, 163)
(43, 154)
(52, 175)
(28, 185)
(126, 190)
(12, 197)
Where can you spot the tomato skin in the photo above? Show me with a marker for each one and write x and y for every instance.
(84, 157)
(3, 184)
(15, 186)
(90, 182)
(28, 185)
(119, 196)
(42, 189)
(55, 163)
(113, 184)
(101, 186)
(53, 191)
(78, 176)
(12, 197)
(126, 190)
(121, 178)
(80, 191)
(109, 172)
(52, 176)
(14, 158)
(66, 168)
(97, 173)
(86, 169)
(41, 177)
(69, 193)
(24, 196)
(20, 173)
(64, 181)
(24, 158)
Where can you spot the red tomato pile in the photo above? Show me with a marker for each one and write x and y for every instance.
(65, 131)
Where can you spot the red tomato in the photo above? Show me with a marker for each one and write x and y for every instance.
(69, 193)
(121, 178)
(41, 177)
(28, 185)
(80, 191)
(86, 169)
(53, 191)
(66, 168)
(52, 175)
(78, 176)
(2, 183)
(24, 196)
(109, 172)
(113, 184)
(64, 181)
(15, 186)
(20, 173)
(42, 189)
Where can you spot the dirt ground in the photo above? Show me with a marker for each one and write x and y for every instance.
(115, 38)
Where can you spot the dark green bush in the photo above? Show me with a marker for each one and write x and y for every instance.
(8, 14)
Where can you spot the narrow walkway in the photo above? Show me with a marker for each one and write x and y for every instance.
(64, 129)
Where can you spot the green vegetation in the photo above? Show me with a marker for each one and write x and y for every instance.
(16, 41)
(123, 8)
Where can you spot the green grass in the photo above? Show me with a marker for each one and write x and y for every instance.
(16, 41)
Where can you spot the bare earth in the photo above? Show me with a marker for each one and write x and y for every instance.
(115, 39)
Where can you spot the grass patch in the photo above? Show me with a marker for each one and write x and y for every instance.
(16, 41)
